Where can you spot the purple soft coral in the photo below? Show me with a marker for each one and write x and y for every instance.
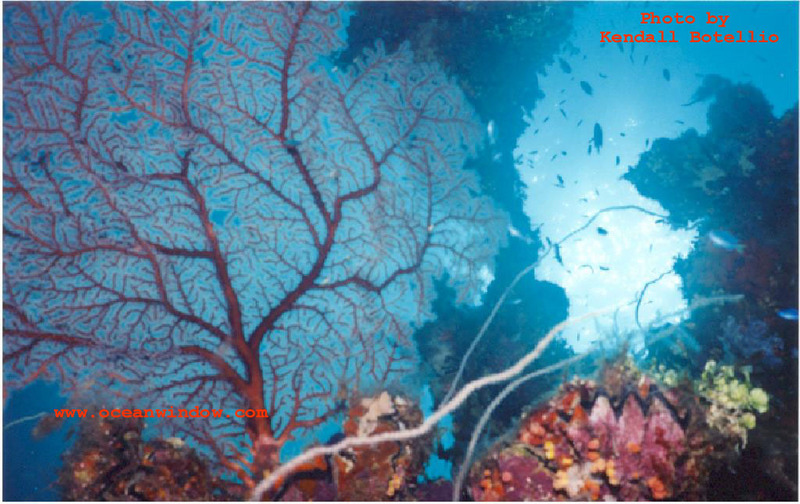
(744, 343)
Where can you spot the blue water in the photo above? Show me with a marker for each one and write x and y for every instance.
(30, 465)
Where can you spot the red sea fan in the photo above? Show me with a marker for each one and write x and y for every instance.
(201, 208)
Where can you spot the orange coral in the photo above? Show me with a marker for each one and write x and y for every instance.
(633, 447)
(644, 388)
(579, 415)
(658, 488)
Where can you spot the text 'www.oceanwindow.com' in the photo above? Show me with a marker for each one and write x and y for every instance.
(195, 412)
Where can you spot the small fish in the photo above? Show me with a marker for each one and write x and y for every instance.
(517, 234)
(617, 161)
(587, 88)
(622, 134)
(491, 131)
(602, 75)
(589, 150)
(563, 113)
(597, 138)
(563, 153)
(679, 121)
(580, 122)
(621, 48)
(666, 75)
(788, 313)
(725, 240)
(546, 119)
(604, 268)
(562, 102)
(47, 425)
(516, 301)
(533, 152)
(645, 59)
(560, 180)
(602, 231)
(536, 131)
(554, 157)
(564, 66)
(497, 157)
(557, 249)
(647, 143)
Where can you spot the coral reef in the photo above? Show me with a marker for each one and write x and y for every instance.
(262, 289)
(622, 438)
(756, 273)
(111, 461)
(740, 174)
(386, 471)
(741, 177)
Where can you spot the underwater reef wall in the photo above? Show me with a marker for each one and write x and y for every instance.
(741, 178)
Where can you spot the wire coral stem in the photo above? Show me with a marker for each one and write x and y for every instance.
(446, 408)
(524, 272)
